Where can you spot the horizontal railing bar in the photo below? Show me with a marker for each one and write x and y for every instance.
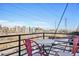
(35, 49)
(63, 41)
(18, 35)
(18, 40)
(55, 33)
(59, 48)
(23, 54)
(14, 52)
(31, 34)
(10, 48)
(56, 37)
(34, 37)
(62, 49)
(9, 42)
(60, 45)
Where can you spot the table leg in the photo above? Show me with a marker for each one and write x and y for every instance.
(44, 51)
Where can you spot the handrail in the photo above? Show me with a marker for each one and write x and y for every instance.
(18, 35)
(31, 34)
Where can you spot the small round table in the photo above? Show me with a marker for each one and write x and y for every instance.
(44, 42)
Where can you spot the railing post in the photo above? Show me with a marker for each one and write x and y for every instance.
(19, 45)
(43, 35)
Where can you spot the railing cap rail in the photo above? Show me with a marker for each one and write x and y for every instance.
(30, 34)
(18, 35)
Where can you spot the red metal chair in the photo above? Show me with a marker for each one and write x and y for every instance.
(74, 46)
(28, 45)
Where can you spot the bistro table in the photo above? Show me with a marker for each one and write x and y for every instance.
(44, 42)
(51, 43)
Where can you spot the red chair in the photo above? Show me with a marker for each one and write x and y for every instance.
(75, 45)
(28, 44)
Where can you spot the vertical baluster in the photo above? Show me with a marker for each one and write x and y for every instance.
(19, 45)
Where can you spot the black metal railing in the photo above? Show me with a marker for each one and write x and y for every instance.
(20, 40)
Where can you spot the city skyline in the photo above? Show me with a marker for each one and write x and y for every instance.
(39, 15)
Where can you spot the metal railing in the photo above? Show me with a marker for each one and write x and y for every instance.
(19, 42)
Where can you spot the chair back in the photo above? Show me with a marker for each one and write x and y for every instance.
(28, 47)
(75, 45)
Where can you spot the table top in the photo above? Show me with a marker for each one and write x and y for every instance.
(49, 41)
(44, 41)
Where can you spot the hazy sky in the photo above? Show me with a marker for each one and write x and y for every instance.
(39, 15)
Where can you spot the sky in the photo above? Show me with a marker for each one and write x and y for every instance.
(44, 15)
